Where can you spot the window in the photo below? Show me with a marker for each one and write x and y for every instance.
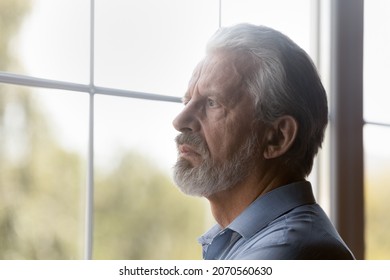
(87, 96)
(377, 128)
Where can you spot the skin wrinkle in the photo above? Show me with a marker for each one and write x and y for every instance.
(224, 83)
(209, 81)
(230, 170)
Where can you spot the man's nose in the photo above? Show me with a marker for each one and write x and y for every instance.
(188, 119)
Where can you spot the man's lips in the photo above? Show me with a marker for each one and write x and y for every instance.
(186, 150)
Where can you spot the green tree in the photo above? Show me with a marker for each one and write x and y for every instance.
(11, 14)
(377, 194)
(141, 215)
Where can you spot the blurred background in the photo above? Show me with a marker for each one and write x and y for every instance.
(150, 47)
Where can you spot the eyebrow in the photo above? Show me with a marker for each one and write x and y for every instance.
(209, 93)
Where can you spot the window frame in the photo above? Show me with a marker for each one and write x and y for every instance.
(346, 125)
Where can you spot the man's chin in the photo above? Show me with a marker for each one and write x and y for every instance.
(184, 164)
(193, 159)
(192, 181)
(186, 176)
(199, 190)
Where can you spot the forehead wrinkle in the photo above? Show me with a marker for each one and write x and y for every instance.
(196, 74)
(220, 74)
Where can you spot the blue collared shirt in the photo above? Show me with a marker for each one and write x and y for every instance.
(285, 223)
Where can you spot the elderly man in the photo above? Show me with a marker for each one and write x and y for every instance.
(254, 117)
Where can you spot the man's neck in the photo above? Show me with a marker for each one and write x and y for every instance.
(228, 204)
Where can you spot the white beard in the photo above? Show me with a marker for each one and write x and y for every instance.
(211, 177)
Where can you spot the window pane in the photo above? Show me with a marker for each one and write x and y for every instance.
(149, 45)
(53, 41)
(377, 192)
(376, 60)
(41, 176)
(139, 213)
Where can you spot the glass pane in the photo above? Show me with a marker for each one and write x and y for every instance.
(139, 213)
(151, 46)
(377, 192)
(42, 173)
(53, 39)
(376, 60)
(293, 18)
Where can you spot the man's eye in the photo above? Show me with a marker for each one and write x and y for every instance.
(211, 103)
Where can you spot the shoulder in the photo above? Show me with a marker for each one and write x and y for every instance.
(303, 233)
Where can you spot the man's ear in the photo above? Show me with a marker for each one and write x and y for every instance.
(280, 136)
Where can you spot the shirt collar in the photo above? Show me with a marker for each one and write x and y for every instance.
(271, 205)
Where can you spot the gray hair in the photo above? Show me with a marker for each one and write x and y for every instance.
(283, 81)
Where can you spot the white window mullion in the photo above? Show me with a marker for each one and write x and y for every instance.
(29, 81)
(89, 203)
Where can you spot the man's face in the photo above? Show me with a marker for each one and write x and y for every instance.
(217, 141)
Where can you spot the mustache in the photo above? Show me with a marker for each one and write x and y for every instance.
(194, 140)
